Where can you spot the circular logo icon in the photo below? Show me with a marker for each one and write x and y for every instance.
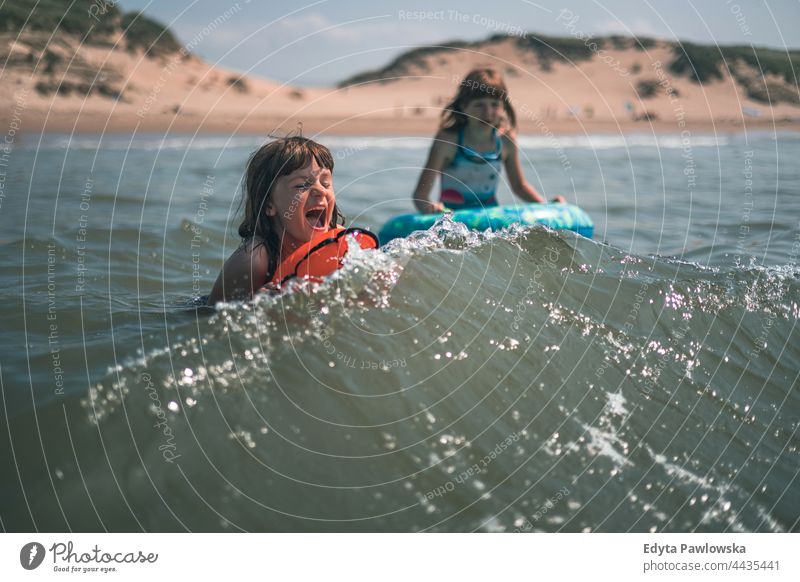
(31, 555)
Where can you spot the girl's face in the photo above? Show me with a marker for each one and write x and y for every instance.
(302, 202)
(484, 111)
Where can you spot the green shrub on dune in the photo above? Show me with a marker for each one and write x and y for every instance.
(747, 64)
(93, 21)
(80, 17)
(705, 63)
(147, 34)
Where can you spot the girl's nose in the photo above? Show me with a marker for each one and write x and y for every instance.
(317, 189)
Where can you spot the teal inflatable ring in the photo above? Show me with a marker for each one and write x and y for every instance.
(555, 215)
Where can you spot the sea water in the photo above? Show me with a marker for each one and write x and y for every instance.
(526, 380)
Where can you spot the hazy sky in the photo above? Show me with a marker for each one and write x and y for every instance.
(324, 41)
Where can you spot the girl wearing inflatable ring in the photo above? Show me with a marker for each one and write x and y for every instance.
(476, 140)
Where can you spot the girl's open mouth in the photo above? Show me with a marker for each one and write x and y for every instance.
(316, 218)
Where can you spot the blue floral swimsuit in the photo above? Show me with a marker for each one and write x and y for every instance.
(470, 181)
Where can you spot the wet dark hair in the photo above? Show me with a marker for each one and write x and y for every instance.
(478, 84)
(277, 158)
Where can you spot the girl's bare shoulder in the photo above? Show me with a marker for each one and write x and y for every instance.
(444, 146)
(509, 140)
(508, 134)
(243, 273)
(446, 139)
(251, 256)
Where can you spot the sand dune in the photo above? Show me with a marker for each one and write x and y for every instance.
(56, 84)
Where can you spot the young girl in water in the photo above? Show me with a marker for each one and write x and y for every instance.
(291, 221)
(476, 138)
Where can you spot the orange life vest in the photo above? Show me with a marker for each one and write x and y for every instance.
(322, 255)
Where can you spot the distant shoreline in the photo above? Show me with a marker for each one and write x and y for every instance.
(365, 126)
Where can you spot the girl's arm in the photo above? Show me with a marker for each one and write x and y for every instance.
(516, 179)
(243, 274)
(438, 158)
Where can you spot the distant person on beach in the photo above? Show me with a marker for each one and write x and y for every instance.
(291, 226)
(476, 138)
